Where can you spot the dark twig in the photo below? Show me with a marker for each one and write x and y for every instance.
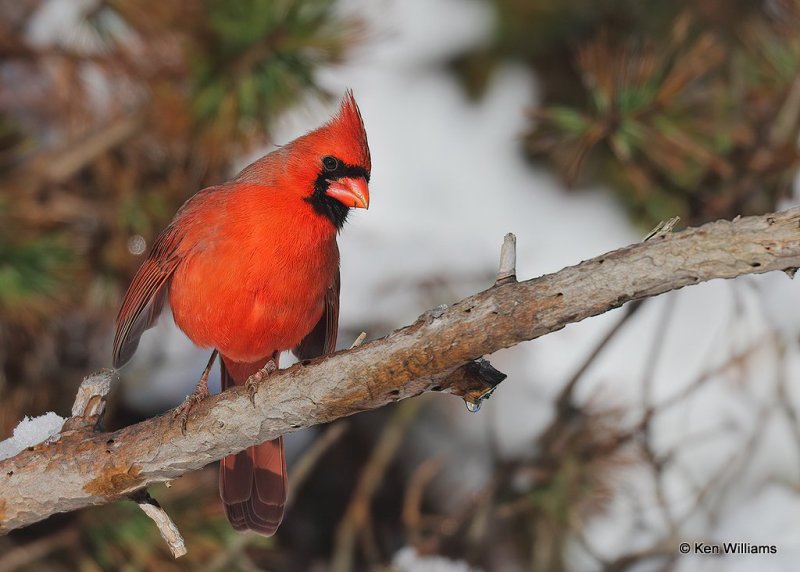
(412, 503)
(357, 513)
(27, 554)
(306, 463)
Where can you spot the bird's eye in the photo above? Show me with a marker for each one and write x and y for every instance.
(330, 163)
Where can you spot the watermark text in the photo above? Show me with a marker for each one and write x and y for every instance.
(723, 548)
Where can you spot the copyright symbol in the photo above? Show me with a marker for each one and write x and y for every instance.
(684, 548)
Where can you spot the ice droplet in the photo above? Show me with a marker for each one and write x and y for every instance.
(474, 405)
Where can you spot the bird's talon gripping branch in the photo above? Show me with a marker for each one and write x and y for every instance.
(182, 412)
(252, 382)
(252, 386)
(199, 394)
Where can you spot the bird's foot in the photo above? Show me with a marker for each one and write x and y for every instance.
(199, 394)
(252, 382)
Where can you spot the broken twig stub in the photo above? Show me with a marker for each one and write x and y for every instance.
(507, 271)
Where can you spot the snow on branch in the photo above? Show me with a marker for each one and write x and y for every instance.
(436, 353)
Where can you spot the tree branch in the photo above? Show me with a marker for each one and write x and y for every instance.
(82, 469)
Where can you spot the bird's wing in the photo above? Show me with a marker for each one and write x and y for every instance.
(322, 339)
(148, 291)
(146, 295)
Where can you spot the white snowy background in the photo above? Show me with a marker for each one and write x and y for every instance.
(448, 182)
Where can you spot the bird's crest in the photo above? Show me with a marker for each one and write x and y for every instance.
(348, 126)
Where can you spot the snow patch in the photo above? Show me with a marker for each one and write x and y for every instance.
(31, 431)
(409, 560)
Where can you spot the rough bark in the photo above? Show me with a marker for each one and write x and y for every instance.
(84, 468)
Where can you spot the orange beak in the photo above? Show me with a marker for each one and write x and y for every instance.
(351, 192)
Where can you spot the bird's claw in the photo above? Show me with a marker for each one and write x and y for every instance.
(182, 412)
(199, 394)
(252, 387)
(252, 382)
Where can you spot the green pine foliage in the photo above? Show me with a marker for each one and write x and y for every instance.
(31, 277)
(249, 68)
(682, 108)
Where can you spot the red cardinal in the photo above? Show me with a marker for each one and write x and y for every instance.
(251, 268)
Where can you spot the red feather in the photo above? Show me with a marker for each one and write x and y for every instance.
(253, 484)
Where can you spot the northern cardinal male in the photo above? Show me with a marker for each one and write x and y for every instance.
(251, 268)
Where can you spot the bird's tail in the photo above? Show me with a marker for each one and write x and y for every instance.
(252, 484)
